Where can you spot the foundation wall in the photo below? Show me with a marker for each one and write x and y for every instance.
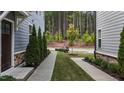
(107, 58)
(18, 58)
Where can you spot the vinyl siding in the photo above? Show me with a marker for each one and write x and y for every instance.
(22, 35)
(111, 24)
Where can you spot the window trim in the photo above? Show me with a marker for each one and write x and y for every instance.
(99, 39)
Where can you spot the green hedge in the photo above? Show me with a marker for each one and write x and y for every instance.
(36, 50)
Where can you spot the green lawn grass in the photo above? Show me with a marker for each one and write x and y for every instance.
(66, 70)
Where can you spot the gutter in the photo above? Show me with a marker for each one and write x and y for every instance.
(24, 13)
(7, 12)
(95, 37)
(4, 14)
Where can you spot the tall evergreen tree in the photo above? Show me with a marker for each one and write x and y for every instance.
(44, 45)
(40, 43)
(121, 54)
(32, 56)
(121, 49)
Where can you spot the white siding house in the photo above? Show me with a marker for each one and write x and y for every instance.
(109, 24)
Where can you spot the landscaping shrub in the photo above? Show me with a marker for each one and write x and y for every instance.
(7, 78)
(121, 53)
(109, 67)
(104, 64)
(114, 68)
(32, 56)
(44, 45)
(97, 62)
(121, 72)
(58, 37)
(40, 44)
(121, 49)
(87, 38)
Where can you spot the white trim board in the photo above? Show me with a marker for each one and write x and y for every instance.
(4, 14)
(19, 52)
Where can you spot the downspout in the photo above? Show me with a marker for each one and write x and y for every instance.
(0, 48)
(95, 38)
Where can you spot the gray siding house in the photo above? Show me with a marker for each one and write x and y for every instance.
(15, 28)
(109, 25)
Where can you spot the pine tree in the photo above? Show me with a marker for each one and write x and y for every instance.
(121, 54)
(40, 43)
(44, 45)
(121, 49)
(32, 52)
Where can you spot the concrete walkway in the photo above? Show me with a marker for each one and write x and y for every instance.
(45, 69)
(94, 72)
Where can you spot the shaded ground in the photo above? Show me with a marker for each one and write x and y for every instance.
(64, 43)
(66, 70)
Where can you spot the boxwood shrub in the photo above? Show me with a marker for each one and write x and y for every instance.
(7, 78)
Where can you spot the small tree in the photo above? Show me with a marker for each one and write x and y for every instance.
(121, 53)
(40, 43)
(71, 34)
(121, 49)
(44, 45)
(32, 51)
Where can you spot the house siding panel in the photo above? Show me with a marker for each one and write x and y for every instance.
(111, 24)
(22, 35)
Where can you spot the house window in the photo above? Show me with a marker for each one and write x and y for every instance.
(99, 38)
(30, 29)
(18, 22)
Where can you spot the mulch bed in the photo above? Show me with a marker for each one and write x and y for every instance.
(56, 44)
